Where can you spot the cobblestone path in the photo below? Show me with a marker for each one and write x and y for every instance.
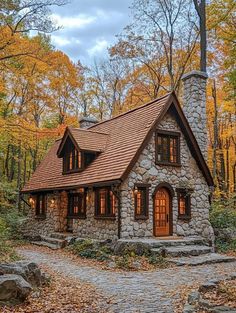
(134, 292)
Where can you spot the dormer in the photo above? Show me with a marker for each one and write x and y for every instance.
(79, 148)
(72, 158)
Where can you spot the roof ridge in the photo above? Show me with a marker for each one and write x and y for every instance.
(134, 109)
(89, 131)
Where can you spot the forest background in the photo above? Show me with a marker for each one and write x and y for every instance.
(42, 91)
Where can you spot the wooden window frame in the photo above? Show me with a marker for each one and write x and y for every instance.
(66, 160)
(145, 213)
(109, 211)
(79, 215)
(39, 215)
(187, 194)
(168, 135)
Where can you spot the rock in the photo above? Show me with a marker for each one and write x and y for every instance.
(221, 309)
(207, 286)
(138, 248)
(193, 297)
(137, 265)
(111, 265)
(28, 270)
(189, 308)
(13, 289)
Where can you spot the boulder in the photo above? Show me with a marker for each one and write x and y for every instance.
(13, 289)
(138, 248)
(28, 270)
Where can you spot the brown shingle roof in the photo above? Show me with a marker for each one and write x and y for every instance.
(124, 137)
(85, 139)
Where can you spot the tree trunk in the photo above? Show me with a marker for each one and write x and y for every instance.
(216, 135)
(200, 7)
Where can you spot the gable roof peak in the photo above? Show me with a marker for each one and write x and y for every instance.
(132, 110)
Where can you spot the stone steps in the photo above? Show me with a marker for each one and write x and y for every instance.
(54, 241)
(61, 236)
(177, 251)
(45, 244)
(61, 243)
(168, 242)
(209, 258)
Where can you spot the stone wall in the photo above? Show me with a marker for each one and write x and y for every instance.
(188, 176)
(195, 106)
(56, 211)
(92, 227)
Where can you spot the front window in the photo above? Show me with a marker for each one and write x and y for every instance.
(184, 204)
(167, 148)
(40, 206)
(141, 196)
(77, 205)
(105, 202)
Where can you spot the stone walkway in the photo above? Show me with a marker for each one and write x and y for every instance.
(134, 292)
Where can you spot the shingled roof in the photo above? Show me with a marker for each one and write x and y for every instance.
(84, 139)
(121, 140)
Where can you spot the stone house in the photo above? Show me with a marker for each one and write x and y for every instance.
(140, 174)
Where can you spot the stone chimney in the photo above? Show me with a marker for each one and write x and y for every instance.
(86, 122)
(194, 106)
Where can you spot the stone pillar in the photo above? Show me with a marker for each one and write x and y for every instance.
(195, 106)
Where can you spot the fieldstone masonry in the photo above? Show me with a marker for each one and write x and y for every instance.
(95, 228)
(195, 106)
(186, 176)
(55, 219)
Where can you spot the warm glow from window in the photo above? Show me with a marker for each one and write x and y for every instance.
(182, 204)
(167, 148)
(71, 161)
(102, 201)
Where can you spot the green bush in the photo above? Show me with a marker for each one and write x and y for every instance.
(90, 250)
(13, 219)
(223, 246)
(223, 214)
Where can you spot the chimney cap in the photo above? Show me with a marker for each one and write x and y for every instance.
(89, 119)
(196, 74)
(86, 122)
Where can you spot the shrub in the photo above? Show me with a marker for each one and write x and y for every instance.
(6, 251)
(13, 220)
(90, 250)
(223, 214)
(223, 246)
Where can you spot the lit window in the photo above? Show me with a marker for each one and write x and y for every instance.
(184, 204)
(167, 148)
(77, 205)
(141, 196)
(105, 202)
(40, 206)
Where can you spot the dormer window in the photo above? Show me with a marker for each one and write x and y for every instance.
(72, 160)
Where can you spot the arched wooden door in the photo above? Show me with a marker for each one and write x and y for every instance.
(162, 213)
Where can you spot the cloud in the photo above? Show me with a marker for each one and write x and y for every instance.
(89, 27)
(99, 47)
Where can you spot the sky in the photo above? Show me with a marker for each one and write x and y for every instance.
(89, 27)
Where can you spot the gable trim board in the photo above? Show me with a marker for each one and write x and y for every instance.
(116, 175)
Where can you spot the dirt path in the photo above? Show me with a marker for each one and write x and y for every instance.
(134, 292)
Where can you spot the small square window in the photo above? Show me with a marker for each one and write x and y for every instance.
(184, 203)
